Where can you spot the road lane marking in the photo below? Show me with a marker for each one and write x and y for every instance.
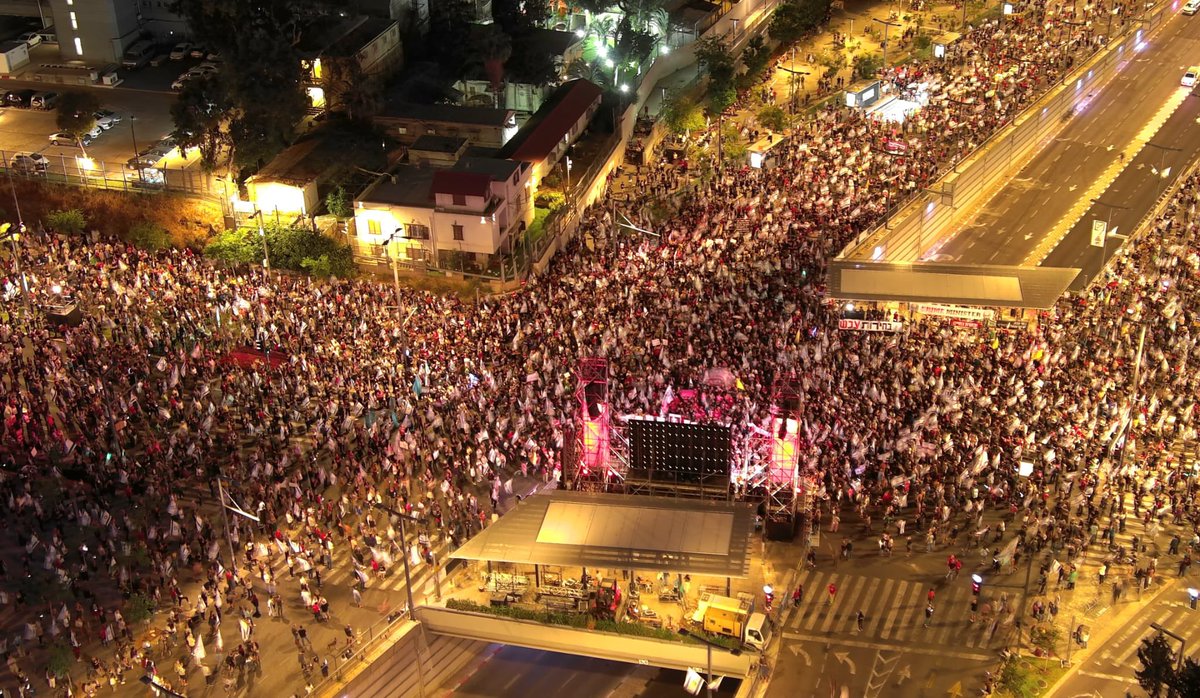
(1108, 677)
(1100, 184)
(861, 644)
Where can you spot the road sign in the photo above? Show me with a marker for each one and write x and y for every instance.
(1099, 228)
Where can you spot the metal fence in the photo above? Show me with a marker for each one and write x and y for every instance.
(81, 171)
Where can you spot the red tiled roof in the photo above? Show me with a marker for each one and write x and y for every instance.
(461, 183)
(557, 118)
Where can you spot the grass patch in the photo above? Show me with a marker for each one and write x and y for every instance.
(537, 229)
(1028, 677)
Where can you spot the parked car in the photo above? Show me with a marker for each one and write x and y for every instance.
(144, 159)
(68, 138)
(181, 50)
(44, 100)
(106, 119)
(198, 51)
(30, 163)
(1192, 7)
(1189, 78)
(180, 82)
(202, 70)
(30, 38)
(18, 98)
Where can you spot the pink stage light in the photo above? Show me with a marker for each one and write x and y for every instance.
(785, 448)
(595, 441)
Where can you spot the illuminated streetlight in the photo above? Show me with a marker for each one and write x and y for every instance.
(624, 87)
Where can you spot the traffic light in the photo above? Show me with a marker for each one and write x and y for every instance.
(976, 584)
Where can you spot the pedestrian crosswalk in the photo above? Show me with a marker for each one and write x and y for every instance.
(895, 611)
(1119, 655)
(342, 572)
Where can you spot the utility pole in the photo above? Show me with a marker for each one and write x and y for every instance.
(1137, 376)
(399, 233)
(262, 233)
(886, 26)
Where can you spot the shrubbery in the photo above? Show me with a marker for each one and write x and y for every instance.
(71, 221)
(150, 236)
(295, 249)
(550, 200)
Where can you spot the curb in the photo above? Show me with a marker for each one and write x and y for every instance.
(1098, 640)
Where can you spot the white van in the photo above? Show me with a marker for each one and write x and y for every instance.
(139, 54)
(757, 631)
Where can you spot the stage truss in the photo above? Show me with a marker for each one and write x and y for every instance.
(593, 463)
(771, 464)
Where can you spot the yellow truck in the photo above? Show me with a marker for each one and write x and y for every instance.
(722, 615)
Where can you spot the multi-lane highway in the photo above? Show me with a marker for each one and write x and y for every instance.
(1113, 150)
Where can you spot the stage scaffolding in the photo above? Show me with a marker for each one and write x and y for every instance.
(591, 460)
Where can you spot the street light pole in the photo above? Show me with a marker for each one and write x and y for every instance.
(133, 135)
(708, 645)
(395, 271)
(886, 26)
(1137, 375)
(1182, 643)
(262, 233)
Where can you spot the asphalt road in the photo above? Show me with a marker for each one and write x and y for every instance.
(519, 672)
(1020, 216)
(28, 130)
(1109, 671)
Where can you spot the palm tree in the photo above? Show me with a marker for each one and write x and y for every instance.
(495, 48)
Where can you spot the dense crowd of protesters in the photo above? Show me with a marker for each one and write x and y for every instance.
(124, 426)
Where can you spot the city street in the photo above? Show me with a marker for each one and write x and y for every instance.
(517, 672)
(1132, 107)
(1109, 671)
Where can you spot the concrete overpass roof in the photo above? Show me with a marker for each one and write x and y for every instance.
(617, 531)
(959, 284)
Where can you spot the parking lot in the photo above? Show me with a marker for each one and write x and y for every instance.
(142, 100)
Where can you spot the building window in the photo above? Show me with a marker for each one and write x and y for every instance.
(459, 199)
(373, 227)
(416, 231)
(402, 130)
(458, 231)
(78, 46)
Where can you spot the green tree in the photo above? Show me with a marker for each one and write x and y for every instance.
(773, 117)
(1046, 637)
(450, 21)
(714, 54)
(519, 16)
(265, 74)
(756, 54)
(733, 146)
(793, 19)
(139, 609)
(683, 114)
(1158, 666)
(867, 65)
(348, 90)
(338, 202)
(69, 221)
(149, 236)
(60, 660)
(1187, 680)
(199, 115)
(76, 112)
